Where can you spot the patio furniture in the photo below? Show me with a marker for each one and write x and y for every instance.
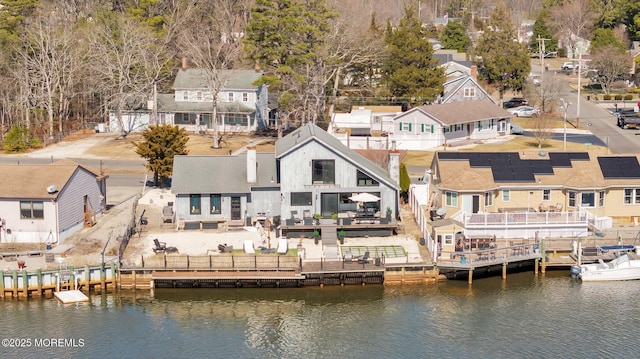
(296, 218)
(364, 258)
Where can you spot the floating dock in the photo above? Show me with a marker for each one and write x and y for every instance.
(71, 296)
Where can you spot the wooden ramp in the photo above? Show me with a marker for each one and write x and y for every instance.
(71, 296)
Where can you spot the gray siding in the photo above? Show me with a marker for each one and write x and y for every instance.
(296, 176)
(71, 200)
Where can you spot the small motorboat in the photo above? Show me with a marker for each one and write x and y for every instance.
(624, 267)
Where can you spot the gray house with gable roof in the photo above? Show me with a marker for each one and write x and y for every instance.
(311, 172)
(241, 105)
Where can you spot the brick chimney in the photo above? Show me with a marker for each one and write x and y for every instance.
(252, 164)
(185, 64)
(474, 71)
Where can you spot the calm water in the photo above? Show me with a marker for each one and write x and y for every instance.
(523, 317)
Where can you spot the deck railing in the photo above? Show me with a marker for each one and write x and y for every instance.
(517, 251)
(215, 262)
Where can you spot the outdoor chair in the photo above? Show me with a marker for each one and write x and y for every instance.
(162, 247)
(364, 258)
(159, 246)
(295, 217)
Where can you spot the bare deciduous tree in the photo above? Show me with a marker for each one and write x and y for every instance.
(213, 44)
(610, 64)
(128, 60)
(573, 21)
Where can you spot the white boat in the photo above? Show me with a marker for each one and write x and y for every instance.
(624, 267)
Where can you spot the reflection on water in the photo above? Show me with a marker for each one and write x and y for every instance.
(524, 316)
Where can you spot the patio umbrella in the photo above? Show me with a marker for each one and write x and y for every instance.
(364, 197)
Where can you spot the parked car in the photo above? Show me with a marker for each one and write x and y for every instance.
(516, 129)
(515, 102)
(524, 111)
(551, 54)
(567, 65)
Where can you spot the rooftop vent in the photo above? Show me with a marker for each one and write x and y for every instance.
(52, 189)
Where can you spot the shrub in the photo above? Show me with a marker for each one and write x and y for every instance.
(617, 97)
(628, 97)
(19, 139)
(606, 97)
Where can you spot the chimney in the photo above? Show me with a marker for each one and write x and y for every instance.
(256, 68)
(185, 65)
(474, 71)
(252, 163)
(393, 165)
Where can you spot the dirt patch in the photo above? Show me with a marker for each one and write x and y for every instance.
(115, 148)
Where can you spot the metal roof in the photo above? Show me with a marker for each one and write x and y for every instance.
(231, 79)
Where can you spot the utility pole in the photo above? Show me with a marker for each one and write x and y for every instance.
(542, 51)
(579, 88)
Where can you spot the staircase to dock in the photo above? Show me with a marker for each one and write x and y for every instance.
(329, 236)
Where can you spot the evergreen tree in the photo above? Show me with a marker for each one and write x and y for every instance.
(454, 36)
(606, 37)
(542, 29)
(285, 38)
(161, 143)
(504, 62)
(405, 181)
(12, 17)
(410, 69)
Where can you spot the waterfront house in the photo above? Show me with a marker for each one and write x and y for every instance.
(48, 203)
(241, 105)
(212, 190)
(310, 172)
(521, 195)
(318, 174)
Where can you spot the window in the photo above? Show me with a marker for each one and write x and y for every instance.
(546, 195)
(236, 119)
(194, 200)
(405, 126)
(601, 199)
(31, 209)
(588, 199)
(469, 92)
(216, 202)
(505, 195)
(632, 196)
(245, 97)
(448, 239)
(230, 96)
(184, 118)
(572, 198)
(301, 198)
(365, 180)
(426, 128)
(185, 95)
(488, 199)
(323, 172)
(452, 199)
(199, 96)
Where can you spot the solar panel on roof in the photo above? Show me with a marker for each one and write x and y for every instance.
(579, 156)
(619, 167)
(559, 159)
(523, 177)
(448, 155)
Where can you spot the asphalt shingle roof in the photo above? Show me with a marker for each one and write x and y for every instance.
(311, 132)
(220, 174)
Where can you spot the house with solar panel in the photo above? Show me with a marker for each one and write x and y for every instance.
(310, 173)
(441, 125)
(241, 106)
(530, 195)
